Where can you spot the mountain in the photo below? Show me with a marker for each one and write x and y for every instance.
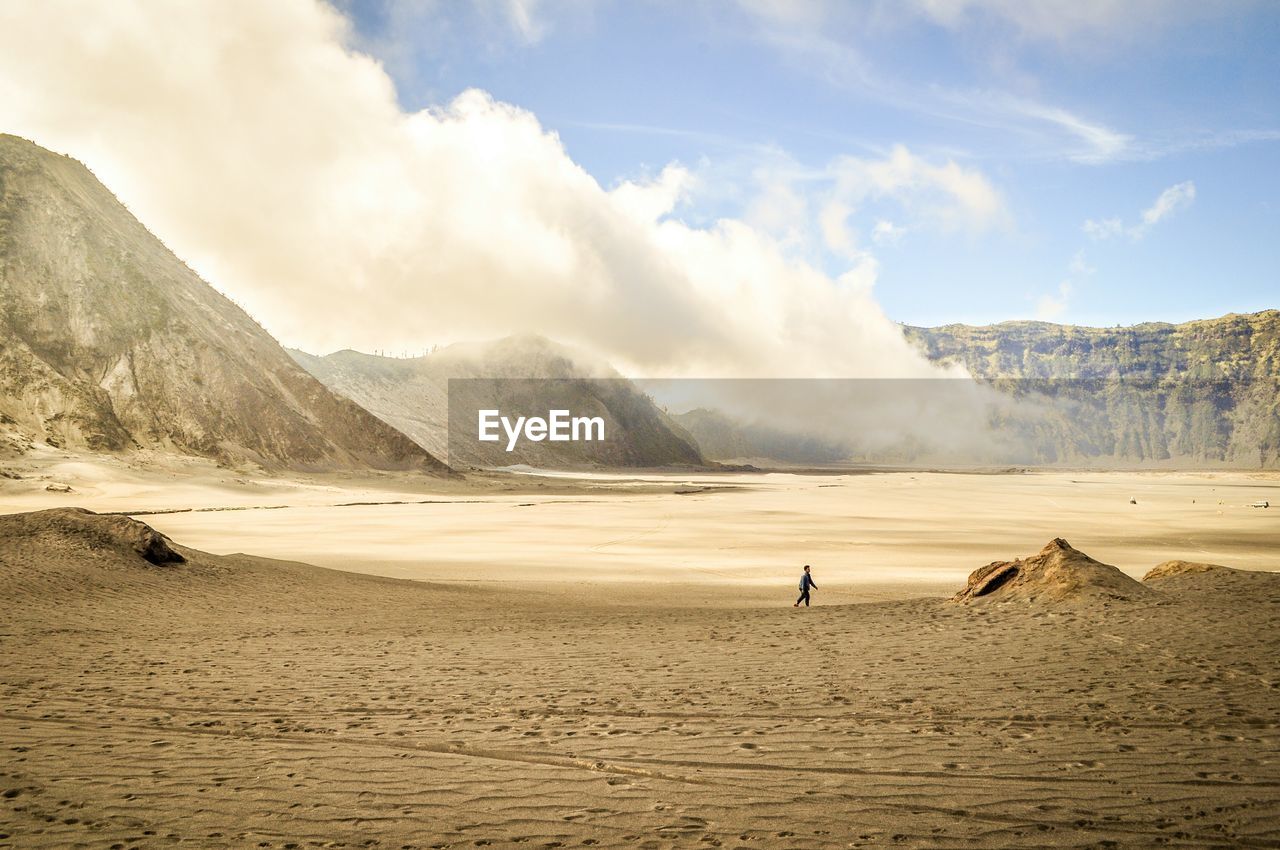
(1199, 393)
(1233, 347)
(110, 343)
(724, 438)
(525, 375)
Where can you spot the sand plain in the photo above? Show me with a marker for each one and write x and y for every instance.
(622, 667)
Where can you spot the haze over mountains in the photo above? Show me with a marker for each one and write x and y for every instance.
(524, 375)
(1202, 392)
(724, 437)
(111, 343)
(108, 342)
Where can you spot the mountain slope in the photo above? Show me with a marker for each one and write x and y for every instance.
(1202, 392)
(111, 343)
(518, 375)
(1233, 347)
(723, 438)
(1199, 394)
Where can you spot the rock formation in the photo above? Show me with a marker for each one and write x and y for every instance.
(1058, 573)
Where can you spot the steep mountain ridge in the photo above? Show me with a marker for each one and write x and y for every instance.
(1233, 347)
(109, 342)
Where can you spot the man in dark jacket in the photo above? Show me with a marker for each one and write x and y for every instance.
(806, 582)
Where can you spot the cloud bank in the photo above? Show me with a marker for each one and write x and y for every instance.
(275, 159)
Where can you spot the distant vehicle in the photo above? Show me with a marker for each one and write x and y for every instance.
(1260, 505)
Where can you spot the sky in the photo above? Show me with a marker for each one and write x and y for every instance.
(710, 188)
(1074, 111)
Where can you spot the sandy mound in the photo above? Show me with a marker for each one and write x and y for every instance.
(1178, 568)
(1058, 573)
(1214, 582)
(70, 529)
(101, 569)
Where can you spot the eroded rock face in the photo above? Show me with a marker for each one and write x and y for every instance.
(1224, 414)
(77, 528)
(1058, 573)
(1177, 568)
(109, 342)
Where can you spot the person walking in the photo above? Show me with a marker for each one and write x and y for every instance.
(806, 582)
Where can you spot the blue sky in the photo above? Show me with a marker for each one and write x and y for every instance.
(707, 188)
(1069, 112)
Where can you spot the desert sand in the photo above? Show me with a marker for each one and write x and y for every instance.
(741, 532)
(617, 663)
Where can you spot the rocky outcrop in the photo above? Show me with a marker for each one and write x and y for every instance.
(1199, 393)
(1058, 573)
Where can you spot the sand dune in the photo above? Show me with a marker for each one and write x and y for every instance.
(1190, 578)
(1178, 568)
(240, 702)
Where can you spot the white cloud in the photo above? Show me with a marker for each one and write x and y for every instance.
(1171, 200)
(1051, 307)
(1079, 265)
(276, 160)
(828, 38)
(1103, 228)
(1095, 143)
(836, 233)
(886, 232)
(817, 211)
(524, 17)
(1066, 22)
(946, 194)
(1062, 20)
(1046, 129)
(412, 25)
(790, 12)
(780, 209)
(1174, 199)
(650, 201)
